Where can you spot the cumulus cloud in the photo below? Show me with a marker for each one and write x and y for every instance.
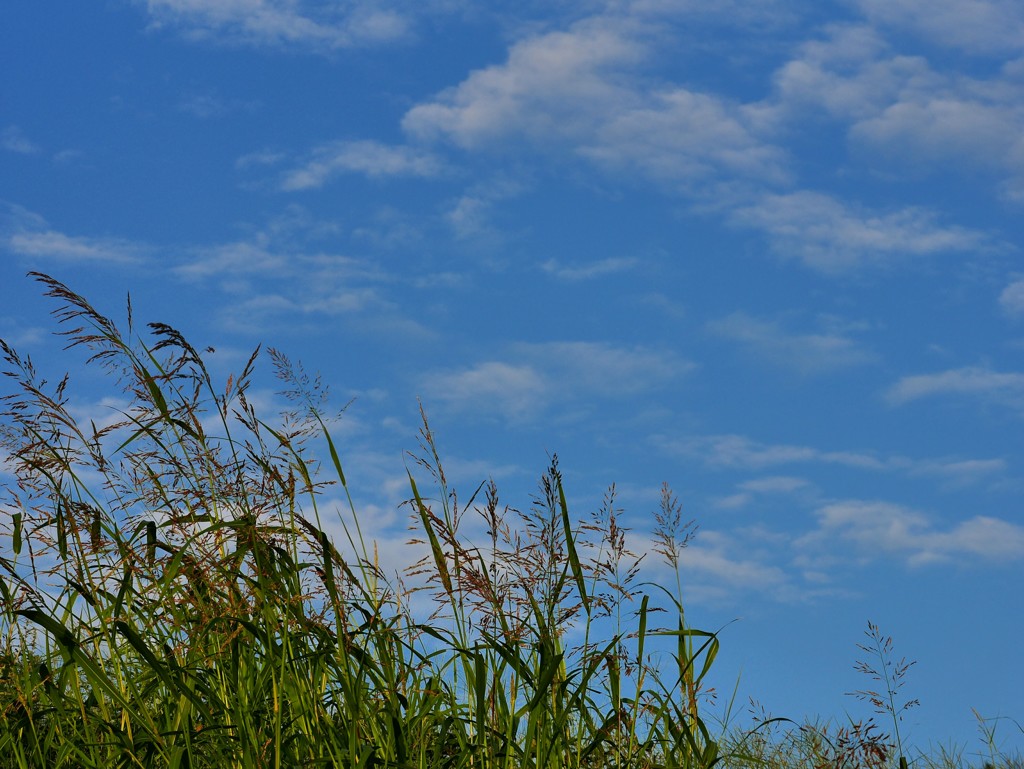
(681, 136)
(370, 158)
(848, 74)
(983, 27)
(961, 126)
(899, 109)
(555, 85)
(580, 89)
(879, 528)
(280, 23)
(812, 353)
(831, 236)
(534, 376)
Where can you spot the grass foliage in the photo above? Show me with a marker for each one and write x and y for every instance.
(171, 598)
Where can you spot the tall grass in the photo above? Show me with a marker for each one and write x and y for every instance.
(171, 597)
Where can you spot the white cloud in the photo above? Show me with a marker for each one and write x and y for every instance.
(534, 376)
(878, 528)
(371, 158)
(743, 453)
(831, 236)
(774, 484)
(952, 127)
(516, 391)
(710, 556)
(1005, 388)
(15, 334)
(901, 110)
(738, 451)
(280, 23)
(60, 246)
(682, 136)
(954, 472)
(847, 75)
(579, 89)
(719, 565)
(29, 235)
(984, 27)
(553, 86)
(805, 353)
(588, 270)
(13, 139)
(470, 215)
(242, 257)
(1012, 299)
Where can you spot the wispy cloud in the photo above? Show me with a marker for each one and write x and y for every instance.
(271, 285)
(291, 272)
(981, 27)
(740, 452)
(515, 390)
(774, 485)
(1012, 299)
(209, 105)
(681, 136)
(370, 158)
(29, 235)
(976, 381)
(17, 334)
(831, 236)
(281, 23)
(532, 377)
(812, 353)
(13, 139)
(470, 215)
(720, 567)
(881, 528)
(588, 270)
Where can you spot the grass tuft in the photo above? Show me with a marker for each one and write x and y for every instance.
(170, 597)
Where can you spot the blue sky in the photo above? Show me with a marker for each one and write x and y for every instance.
(768, 251)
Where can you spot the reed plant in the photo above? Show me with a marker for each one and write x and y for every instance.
(171, 596)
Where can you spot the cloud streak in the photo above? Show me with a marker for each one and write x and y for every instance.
(29, 236)
(738, 452)
(533, 377)
(976, 381)
(281, 23)
(370, 158)
(834, 237)
(806, 354)
(878, 528)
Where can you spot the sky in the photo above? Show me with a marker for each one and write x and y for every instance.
(766, 251)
